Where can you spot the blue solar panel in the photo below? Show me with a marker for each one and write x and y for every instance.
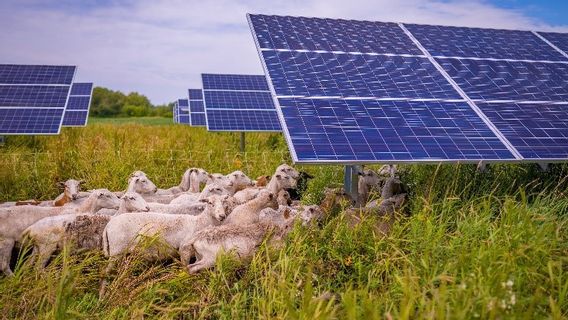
(36, 74)
(198, 119)
(30, 121)
(33, 96)
(560, 40)
(298, 33)
(536, 130)
(509, 80)
(183, 103)
(183, 111)
(82, 89)
(195, 94)
(184, 118)
(368, 130)
(348, 94)
(234, 82)
(242, 120)
(483, 43)
(239, 103)
(75, 118)
(78, 103)
(344, 75)
(196, 106)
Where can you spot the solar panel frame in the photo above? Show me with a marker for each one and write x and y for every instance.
(79, 91)
(262, 49)
(232, 119)
(64, 79)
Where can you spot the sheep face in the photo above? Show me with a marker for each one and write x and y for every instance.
(370, 178)
(336, 198)
(285, 181)
(134, 202)
(387, 170)
(288, 170)
(199, 175)
(214, 177)
(142, 185)
(106, 199)
(72, 188)
(284, 198)
(311, 213)
(216, 207)
(239, 180)
(214, 189)
(267, 198)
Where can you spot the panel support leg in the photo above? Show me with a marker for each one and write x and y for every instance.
(351, 180)
(242, 142)
(544, 166)
(482, 166)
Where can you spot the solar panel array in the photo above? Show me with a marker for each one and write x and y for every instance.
(238, 103)
(183, 111)
(33, 98)
(196, 108)
(78, 104)
(363, 92)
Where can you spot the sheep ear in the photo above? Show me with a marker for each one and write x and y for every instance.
(360, 173)
(61, 184)
(210, 175)
(286, 213)
(278, 177)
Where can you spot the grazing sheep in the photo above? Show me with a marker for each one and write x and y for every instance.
(301, 186)
(13, 221)
(262, 181)
(385, 211)
(336, 199)
(125, 231)
(191, 198)
(51, 233)
(248, 212)
(243, 240)
(277, 183)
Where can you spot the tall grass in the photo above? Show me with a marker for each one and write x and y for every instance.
(474, 245)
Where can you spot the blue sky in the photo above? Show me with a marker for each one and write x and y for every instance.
(160, 47)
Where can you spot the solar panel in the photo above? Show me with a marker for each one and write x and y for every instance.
(183, 111)
(78, 105)
(363, 92)
(196, 108)
(238, 103)
(33, 98)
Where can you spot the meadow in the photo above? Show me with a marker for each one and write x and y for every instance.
(490, 245)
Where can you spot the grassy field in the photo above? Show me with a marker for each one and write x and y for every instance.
(473, 245)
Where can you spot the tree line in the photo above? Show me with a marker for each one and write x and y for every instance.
(108, 103)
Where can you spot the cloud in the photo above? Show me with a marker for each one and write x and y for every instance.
(160, 48)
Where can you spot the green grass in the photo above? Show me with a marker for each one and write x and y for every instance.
(474, 245)
(120, 121)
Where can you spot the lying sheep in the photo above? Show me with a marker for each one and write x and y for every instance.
(336, 199)
(129, 202)
(190, 181)
(243, 240)
(368, 179)
(306, 214)
(278, 182)
(71, 192)
(13, 221)
(385, 211)
(301, 186)
(262, 181)
(49, 234)
(191, 198)
(248, 212)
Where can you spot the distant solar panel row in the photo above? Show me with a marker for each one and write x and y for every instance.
(196, 108)
(360, 91)
(33, 98)
(78, 105)
(183, 111)
(239, 103)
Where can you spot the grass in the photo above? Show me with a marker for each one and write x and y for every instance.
(120, 121)
(474, 245)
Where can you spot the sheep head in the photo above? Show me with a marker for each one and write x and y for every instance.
(71, 188)
(134, 202)
(288, 170)
(105, 199)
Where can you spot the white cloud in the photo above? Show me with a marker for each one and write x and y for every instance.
(160, 48)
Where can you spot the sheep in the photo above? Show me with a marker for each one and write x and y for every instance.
(385, 211)
(125, 231)
(71, 192)
(190, 181)
(336, 199)
(301, 185)
(262, 181)
(391, 187)
(306, 214)
(283, 198)
(141, 184)
(191, 198)
(13, 221)
(214, 177)
(129, 202)
(368, 179)
(243, 240)
(286, 169)
(49, 234)
(236, 181)
(279, 181)
(248, 212)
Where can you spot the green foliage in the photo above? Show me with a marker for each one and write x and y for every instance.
(474, 245)
(108, 103)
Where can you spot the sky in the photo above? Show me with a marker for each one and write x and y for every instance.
(160, 47)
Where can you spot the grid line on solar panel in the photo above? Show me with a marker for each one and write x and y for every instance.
(366, 130)
(75, 118)
(183, 102)
(242, 120)
(30, 121)
(81, 89)
(33, 96)
(343, 75)
(538, 131)
(196, 106)
(78, 103)
(558, 40)
(234, 82)
(482, 43)
(198, 119)
(36, 74)
(195, 94)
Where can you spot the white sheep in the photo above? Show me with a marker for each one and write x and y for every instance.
(191, 198)
(368, 179)
(129, 202)
(190, 181)
(278, 182)
(71, 192)
(49, 234)
(14, 220)
(306, 214)
(214, 177)
(248, 212)
(286, 169)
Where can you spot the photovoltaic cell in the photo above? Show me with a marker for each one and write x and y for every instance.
(560, 40)
(183, 111)
(33, 98)
(482, 43)
(421, 93)
(198, 119)
(195, 94)
(75, 118)
(82, 89)
(78, 105)
(196, 108)
(238, 103)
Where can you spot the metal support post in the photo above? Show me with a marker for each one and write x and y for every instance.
(351, 180)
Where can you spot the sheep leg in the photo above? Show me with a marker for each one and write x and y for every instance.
(6, 246)
(44, 253)
(201, 264)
